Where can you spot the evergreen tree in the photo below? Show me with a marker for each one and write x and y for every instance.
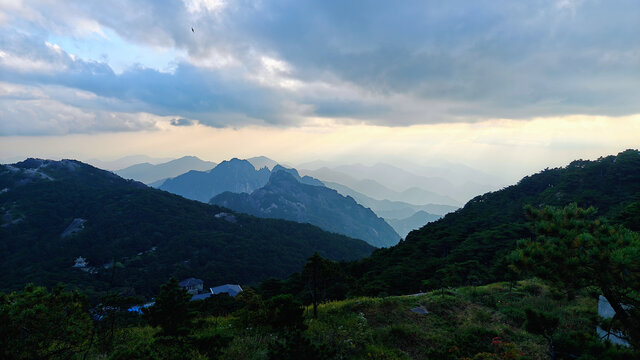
(574, 249)
(315, 271)
(543, 324)
(171, 310)
(38, 324)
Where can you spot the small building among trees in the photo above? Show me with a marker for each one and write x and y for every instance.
(192, 285)
(80, 262)
(230, 289)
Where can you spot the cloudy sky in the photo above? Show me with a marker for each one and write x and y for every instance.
(501, 85)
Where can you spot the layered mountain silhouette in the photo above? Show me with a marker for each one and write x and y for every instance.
(234, 175)
(390, 209)
(302, 179)
(259, 162)
(287, 196)
(376, 190)
(66, 221)
(413, 222)
(454, 181)
(124, 162)
(433, 179)
(149, 173)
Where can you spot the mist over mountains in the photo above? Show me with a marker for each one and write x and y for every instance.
(376, 190)
(288, 197)
(452, 184)
(124, 162)
(149, 173)
(201, 181)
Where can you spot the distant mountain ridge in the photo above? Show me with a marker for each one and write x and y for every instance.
(149, 173)
(262, 161)
(123, 162)
(234, 175)
(287, 196)
(134, 237)
(457, 181)
(293, 172)
(404, 226)
(399, 179)
(376, 190)
(388, 208)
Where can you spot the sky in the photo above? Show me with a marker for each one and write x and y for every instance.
(509, 87)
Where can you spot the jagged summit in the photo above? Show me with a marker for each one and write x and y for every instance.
(286, 197)
(233, 175)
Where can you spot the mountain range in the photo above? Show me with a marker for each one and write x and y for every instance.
(234, 175)
(134, 237)
(127, 237)
(399, 179)
(124, 162)
(150, 173)
(387, 208)
(453, 181)
(376, 190)
(259, 162)
(306, 200)
(404, 226)
(238, 176)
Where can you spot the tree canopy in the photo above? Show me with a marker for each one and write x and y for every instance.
(572, 248)
(39, 324)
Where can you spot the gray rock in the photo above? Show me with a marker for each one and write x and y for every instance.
(76, 226)
(616, 337)
(420, 310)
(605, 310)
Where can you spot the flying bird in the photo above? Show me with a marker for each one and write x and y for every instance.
(192, 30)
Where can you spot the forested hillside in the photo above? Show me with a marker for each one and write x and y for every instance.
(135, 237)
(469, 245)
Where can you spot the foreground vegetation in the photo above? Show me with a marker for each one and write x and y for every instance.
(578, 256)
(523, 320)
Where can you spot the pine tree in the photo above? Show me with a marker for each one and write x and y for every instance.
(38, 324)
(315, 271)
(573, 249)
(171, 310)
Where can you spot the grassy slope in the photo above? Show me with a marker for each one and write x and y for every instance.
(461, 323)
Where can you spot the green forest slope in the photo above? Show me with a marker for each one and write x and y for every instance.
(469, 245)
(135, 237)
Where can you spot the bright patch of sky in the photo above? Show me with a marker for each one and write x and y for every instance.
(108, 47)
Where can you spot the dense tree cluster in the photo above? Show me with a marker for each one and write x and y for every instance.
(573, 249)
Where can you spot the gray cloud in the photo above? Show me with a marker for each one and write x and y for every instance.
(378, 61)
(182, 122)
